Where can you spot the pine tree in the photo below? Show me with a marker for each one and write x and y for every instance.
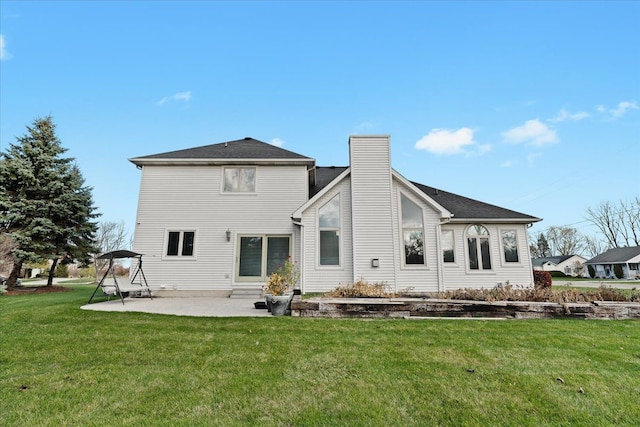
(44, 206)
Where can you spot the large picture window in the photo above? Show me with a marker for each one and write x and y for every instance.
(259, 256)
(479, 248)
(329, 225)
(412, 231)
(239, 180)
(180, 243)
(510, 245)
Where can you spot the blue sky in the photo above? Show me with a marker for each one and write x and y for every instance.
(533, 106)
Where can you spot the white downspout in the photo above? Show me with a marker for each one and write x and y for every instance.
(302, 265)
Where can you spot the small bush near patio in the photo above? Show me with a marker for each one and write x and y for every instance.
(361, 289)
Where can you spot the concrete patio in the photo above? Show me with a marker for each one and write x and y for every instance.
(183, 306)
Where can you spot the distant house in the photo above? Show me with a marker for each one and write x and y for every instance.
(222, 217)
(563, 263)
(628, 258)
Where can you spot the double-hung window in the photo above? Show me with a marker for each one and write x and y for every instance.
(329, 225)
(180, 243)
(261, 255)
(239, 180)
(479, 248)
(412, 232)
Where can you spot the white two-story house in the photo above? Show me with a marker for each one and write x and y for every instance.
(222, 217)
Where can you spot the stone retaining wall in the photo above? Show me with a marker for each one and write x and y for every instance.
(430, 308)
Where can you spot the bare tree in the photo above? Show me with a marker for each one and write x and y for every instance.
(619, 224)
(110, 236)
(594, 246)
(578, 269)
(565, 240)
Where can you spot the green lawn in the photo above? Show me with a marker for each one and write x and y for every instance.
(60, 365)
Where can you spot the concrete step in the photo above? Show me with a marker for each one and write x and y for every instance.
(255, 294)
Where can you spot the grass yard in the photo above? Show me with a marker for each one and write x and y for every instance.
(60, 365)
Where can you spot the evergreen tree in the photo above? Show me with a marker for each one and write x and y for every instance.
(44, 206)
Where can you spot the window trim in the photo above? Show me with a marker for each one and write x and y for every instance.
(479, 270)
(337, 229)
(263, 260)
(403, 254)
(503, 255)
(179, 256)
(223, 178)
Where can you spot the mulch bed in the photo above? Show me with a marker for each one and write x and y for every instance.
(25, 290)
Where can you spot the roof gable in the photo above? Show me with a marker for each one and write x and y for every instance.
(241, 151)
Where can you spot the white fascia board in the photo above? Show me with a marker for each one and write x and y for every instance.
(209, 162)
(496, 220)
(297, 215)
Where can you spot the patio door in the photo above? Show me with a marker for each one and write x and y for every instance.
(261, 255)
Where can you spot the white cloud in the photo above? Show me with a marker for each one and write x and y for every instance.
(533, 131)
(507, 164)
(564, 115)
(622, 108)
(4, 54)
(277, 142)
(180, 96)
(445, 141)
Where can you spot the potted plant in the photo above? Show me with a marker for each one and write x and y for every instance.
(279, 287)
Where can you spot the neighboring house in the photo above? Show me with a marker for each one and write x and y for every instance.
(222, 217)
(628, 258)
(563, 263)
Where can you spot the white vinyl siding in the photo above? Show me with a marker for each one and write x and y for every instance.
(517, 274)
(180, 198)
(373, 228)
(317, 278)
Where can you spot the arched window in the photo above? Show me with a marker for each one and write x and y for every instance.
(412, 232)
(479, 248)
(329, 224)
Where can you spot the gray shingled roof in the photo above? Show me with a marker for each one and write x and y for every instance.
(553, 259)
(461, 207)
(242, 149)
(616, 255)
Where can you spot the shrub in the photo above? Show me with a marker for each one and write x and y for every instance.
(617, 271)
(89, 271)
(61, 271)
(510, 293)
(541, 279)
(592, 271)
(361, 289)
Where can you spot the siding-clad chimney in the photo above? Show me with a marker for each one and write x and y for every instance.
(372, 213)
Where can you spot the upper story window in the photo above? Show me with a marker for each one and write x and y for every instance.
(479, 248)
(448, 253)
(412, 231)
(510, 245)
(329, 225)
(181, 243)
(239, 180)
